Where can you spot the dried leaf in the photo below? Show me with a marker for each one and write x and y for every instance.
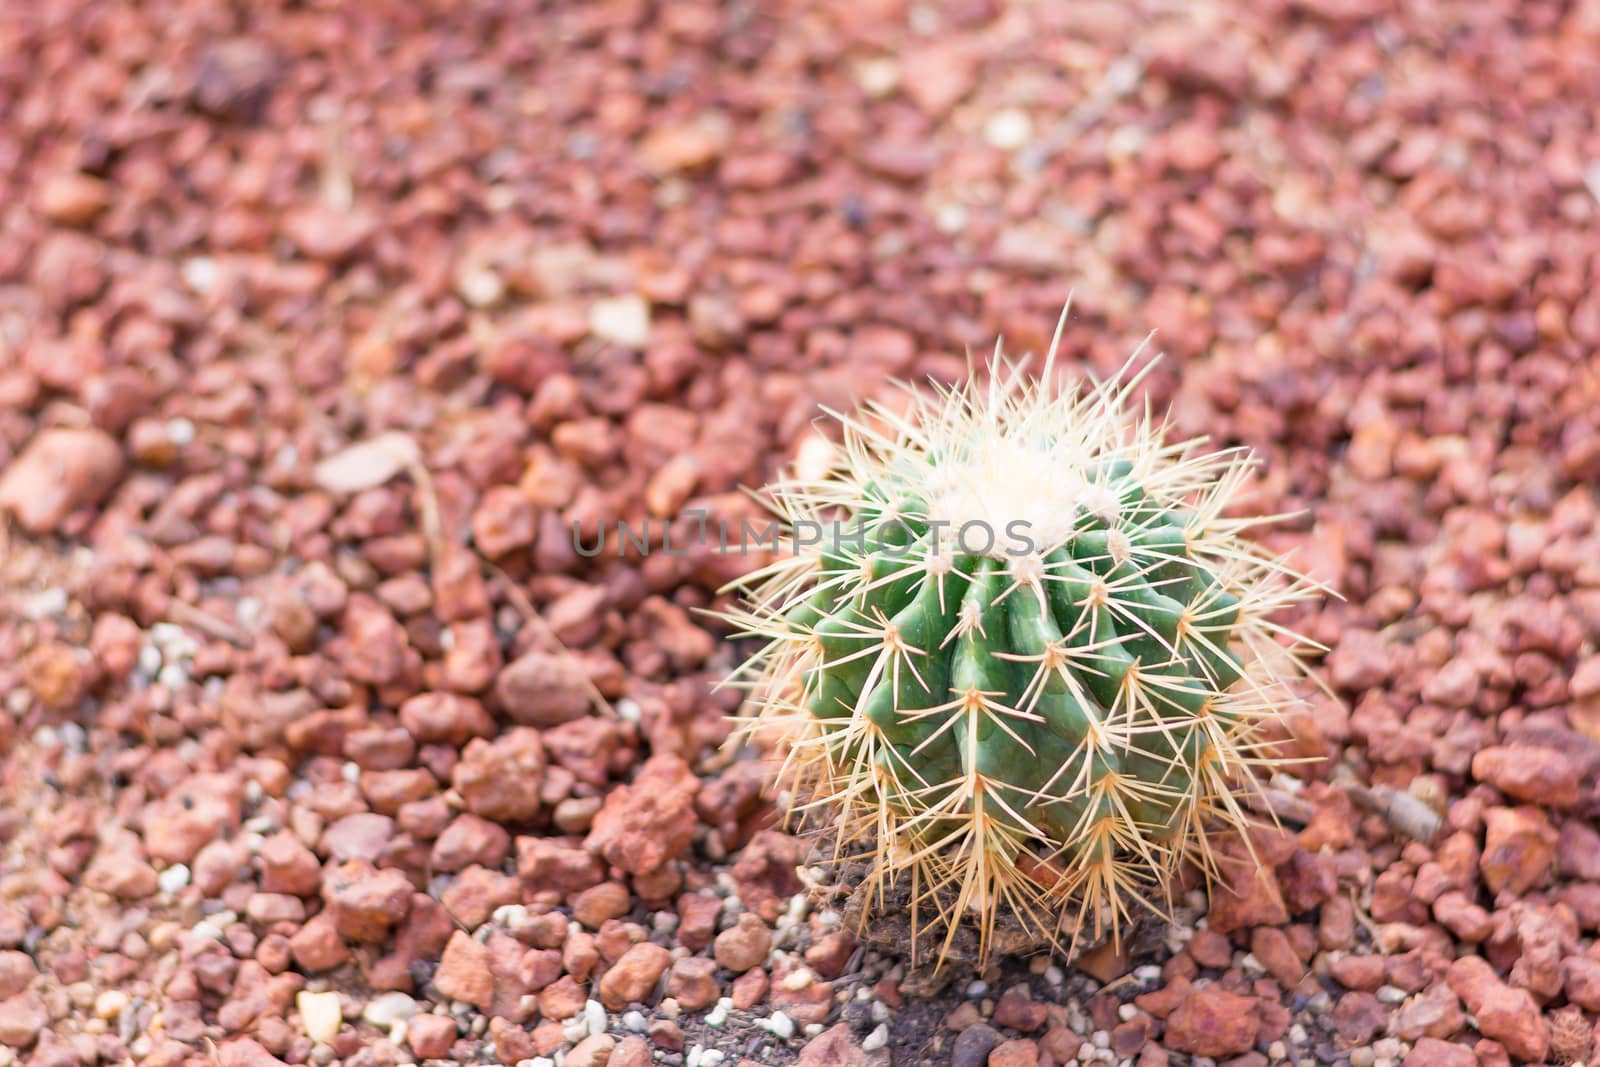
(368, 464)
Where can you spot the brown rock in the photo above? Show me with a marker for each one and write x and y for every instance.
(692, 983)
(595, 905)
(470, 840)
(361, 835)
(650, 821)
(1434, 1013)
(541, 689)
(317, 946)
(505, 521)
(1582, 981)
(119, 867)
(1509, 1016)
(202, 808)
(58, 472)
(1193, 146)
(365, 902)
(749, 989)
(937, 76)
(631, 1052)
(1537, 775)
(557, 866)
(463, 972)
(372, 645)
(234, 77)
(562, 999)
(743, 945)
(1019, 1011)
(445, 718)
(1016, 1053)
(58, 674)
(633, 977)
(21, 1019)
(17, 969)
(430, 1036)
(1431, 1052)
(328, 235)
(474, 894)
(1519, 849)
(1250, 896)
(500, 779)
(1212, 1022)
(1455, 685)
(1360, 973)
(1357, 1016)
(287, 866)
(833, 1047)
(1270, 945)
(243, 1052)
(72, 198)
(593, 1051)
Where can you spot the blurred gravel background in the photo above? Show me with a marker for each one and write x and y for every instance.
(320, 750)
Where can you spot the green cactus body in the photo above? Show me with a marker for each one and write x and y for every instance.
(1037, 668)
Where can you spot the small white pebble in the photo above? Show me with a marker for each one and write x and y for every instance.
(779, 1025)
(719, 1014)
(509, 915)
(711, 1057)
(622, 320)
(1008, 129)
(1100, 1039)
(320, 1015)
(880, 1011)
(877, 1039)
(200, 273)
(1126, 1012)
(1277, 1051)
(1053, 975)
(795, 981)
(1388, 994)
(594, 1016)
(628, 710)
(636, 1022)
(878, 76)
(45, 603)
(386, 1009)
(1388, 1047)
(173, 878)
(950, 218)
(977, 989)
(813, 1029)
(180, 431)
(351, 772)
(479, 286)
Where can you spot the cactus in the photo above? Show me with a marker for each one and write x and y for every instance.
(1030, 668)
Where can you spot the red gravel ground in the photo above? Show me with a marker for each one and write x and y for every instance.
(295, 766)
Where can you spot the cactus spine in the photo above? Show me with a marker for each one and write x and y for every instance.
(1032, 665)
